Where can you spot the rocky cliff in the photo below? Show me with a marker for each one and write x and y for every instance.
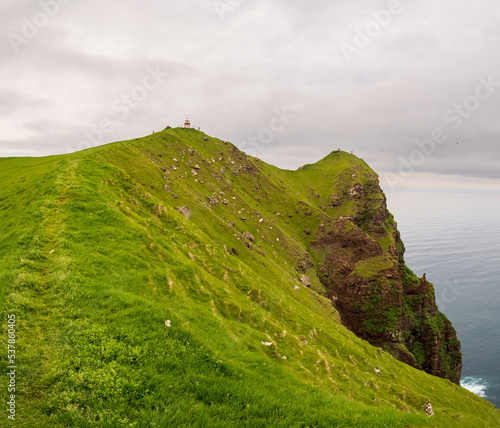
(337, 208)
(353, 248)
(360, 261)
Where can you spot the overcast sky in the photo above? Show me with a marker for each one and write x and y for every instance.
(412, 87)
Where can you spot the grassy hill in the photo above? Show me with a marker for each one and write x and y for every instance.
(130, 314)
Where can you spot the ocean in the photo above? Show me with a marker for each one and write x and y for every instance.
(454, 237)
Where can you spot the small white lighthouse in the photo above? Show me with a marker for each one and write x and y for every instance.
(187, 123)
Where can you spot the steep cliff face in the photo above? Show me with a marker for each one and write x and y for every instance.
(360, 261)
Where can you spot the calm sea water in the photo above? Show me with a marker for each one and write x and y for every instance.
(455, 239)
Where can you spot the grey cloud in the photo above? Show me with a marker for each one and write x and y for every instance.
(229, 70)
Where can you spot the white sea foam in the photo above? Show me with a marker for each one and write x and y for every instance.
(476, 385)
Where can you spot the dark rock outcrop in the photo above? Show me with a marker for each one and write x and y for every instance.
(249, 236)
(379, 298)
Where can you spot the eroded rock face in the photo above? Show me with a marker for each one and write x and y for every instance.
(378, 297)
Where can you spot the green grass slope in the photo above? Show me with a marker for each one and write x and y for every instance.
(130, 314)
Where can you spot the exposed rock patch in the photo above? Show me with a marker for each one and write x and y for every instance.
(378, 297)
(305, 281)
(249, 236)
(185, 211)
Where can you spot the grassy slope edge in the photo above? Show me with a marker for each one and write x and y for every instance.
(95, 258)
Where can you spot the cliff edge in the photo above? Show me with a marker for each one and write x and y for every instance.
(359, 258)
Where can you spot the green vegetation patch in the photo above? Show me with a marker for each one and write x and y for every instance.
(371, 267)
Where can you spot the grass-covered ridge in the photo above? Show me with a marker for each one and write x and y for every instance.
(95, 258)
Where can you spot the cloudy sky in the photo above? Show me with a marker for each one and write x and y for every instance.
(412, 87)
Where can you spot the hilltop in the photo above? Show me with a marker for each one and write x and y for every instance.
(172, 280)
